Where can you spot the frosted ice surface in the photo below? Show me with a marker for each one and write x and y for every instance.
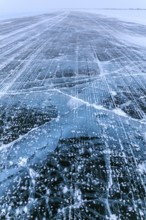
(135, 16)
(72, 118)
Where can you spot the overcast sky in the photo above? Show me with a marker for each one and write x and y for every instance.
(24, 6)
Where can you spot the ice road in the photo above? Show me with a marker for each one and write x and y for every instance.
(72, 118)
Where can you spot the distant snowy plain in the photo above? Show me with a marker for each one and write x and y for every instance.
(135, 15)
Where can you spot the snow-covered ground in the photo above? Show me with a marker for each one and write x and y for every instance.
(136, 16)
(7, 16)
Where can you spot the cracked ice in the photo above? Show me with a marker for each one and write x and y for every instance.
(72, 118)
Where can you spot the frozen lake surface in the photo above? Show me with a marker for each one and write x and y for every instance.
(133, 15)
(72, 118)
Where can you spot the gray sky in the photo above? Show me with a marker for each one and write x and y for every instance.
(27, 6)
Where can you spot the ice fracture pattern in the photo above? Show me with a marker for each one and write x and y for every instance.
(72, 118)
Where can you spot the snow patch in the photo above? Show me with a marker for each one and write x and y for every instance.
(113, 217)
(132, 39)
(75, 103)
(144, 136)
(23, 161)
(142, 168)
(65, 189)
(120, 112)
(113, 93)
